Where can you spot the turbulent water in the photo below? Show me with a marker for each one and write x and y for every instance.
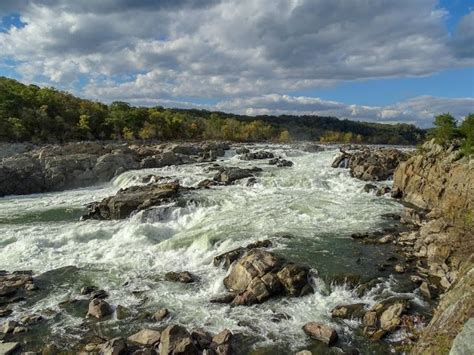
(308, 211)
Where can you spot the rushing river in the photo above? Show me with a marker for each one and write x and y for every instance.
(308, 211)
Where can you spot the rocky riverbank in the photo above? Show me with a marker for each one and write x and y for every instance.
(438, 184)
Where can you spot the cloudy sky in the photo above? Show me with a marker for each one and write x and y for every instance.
(373, 60)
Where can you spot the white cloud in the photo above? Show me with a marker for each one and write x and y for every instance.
(419, 110)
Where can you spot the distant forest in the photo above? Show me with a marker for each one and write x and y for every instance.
(46, 115)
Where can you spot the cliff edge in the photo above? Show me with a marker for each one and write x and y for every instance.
(440, 182)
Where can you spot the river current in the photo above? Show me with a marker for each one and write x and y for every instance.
(308, 211)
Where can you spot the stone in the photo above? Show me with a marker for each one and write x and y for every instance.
(228, 175)
(202, 337)
(425, 290)
(19, 330)
(161, 314)
(9, 327)
(386, 239)
(320, 332)
(257, 155)
(399, 268)
(355, 310)
(122, 312)
(463, 344)
(133, 199)
(9, 348)
(224, 298)
(390, 318)
(86, 290)
(176, 340)
(304, 352)
(99, 308)
(223, 337)
(294, 279)
(5, 312)
(145, 337)
(183, 277)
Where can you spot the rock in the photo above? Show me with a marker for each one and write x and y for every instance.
(161, 314)
(183, 277)
(304, 352)
(227, 258)
(222, 338)
(99, 308)
(206, 183)
(386, 239)
(399, 268)
(390, 318)
(425, 290)
(321, 332)
(116, 346)
(175, 339)
(31, 319)
(257, 155)
(9, 327)
(228, 175)
(145, 337)
(202, 338)
(133, 199)
(5, 312)
(369, 188)
(122, 312)
(8, 348)
(280, 163)
(347, 311)
(259, 275)
(86, 290)
(370, 164)
(20, 329)
(383, 317)
(242, 150)
(463, 344)
(225, 298)
(383, 190)
(98, 294)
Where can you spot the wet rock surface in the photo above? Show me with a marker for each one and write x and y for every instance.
(133, 199)
(369, 163)
(73, 165)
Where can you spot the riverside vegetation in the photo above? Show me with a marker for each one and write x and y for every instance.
(227, 248)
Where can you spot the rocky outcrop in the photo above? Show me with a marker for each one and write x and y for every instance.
(259, 275)
(261, 154)
(369, 163)
(228, 175)
(133, 199)
(440, 182)
(280, 163)
(56, 168)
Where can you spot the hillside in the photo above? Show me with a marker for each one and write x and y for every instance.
(46, 115)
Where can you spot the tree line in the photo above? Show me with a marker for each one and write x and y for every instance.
(46, 115)
(447, 129)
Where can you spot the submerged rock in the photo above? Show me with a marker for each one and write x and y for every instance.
(280, 163)
(133, 199)
(99, 308)
(183, 277)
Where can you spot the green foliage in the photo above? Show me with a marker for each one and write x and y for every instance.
(466, 130)
(31, 113)
(445, 129)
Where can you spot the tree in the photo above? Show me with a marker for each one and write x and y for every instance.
(285, 136)
(466, 129)
(445, 128)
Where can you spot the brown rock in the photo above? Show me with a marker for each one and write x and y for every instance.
(161, 314)
(145, 337)
(116, 346)
(176, 340)
(349, 311)
(183, 277)
(99, 308)
(320, 332)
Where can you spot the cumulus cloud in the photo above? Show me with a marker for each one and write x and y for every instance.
(178, 51)
(419, 110)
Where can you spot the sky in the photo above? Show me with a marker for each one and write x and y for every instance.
(388, 61)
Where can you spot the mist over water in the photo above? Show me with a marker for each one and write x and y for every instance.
(308, 211)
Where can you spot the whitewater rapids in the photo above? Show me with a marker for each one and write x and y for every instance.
(308, 211)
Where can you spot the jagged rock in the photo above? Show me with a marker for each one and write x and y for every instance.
(369, 188)
(5, 312)
(86, 290)
(227, 258)
(116, 346)
(383, 190)
(228, 175)
(98, 294)
(304, 352)
(280, 163)
(99, 308)
(383, 317)
(257, 155)
(176, 340)
(355, 310)
(9, 348)
(202, 338)
(242, 150)
(183, 277)
(259, 275)
(9, 327)
(225, 298)
(145, 337)
(370, 164)
(161, 314)
(320, 332)
(133, 199)
(399, 269)
(223, 337)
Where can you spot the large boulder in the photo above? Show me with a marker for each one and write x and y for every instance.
(133, 199)
(260, 275)
(320, 332)
(384, 317)
(175, 340)
(262, 154)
